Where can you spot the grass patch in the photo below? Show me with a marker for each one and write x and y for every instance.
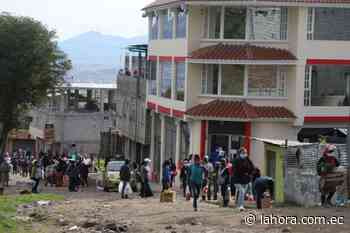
(8, 207)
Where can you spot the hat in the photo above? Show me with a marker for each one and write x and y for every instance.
(147, 160)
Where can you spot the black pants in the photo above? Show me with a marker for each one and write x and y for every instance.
(213, 185)
(232, 186)
(35, 185)
(165, 185)
(225, 195)
(73, 183)
(326, 197)
(184, 186)
(196, 188)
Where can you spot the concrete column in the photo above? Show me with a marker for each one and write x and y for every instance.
(152, 147)
(178, 150)
(101, 101)
(162, 145)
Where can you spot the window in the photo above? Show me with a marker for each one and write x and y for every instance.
(266, 81)
(328, 24)
(210, 79)
(167, 24)
(152, 82)
(235, 23)
(165, 79)
(327, 85)
(268, 23)
(252, 23)
(214, 22)
(154, 27)
(232, 80)
(180, 80)
(181, 20)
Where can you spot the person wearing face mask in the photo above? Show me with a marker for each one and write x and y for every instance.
(243, 168)
(325, 166)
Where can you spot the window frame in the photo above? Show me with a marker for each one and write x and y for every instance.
(206, 25)
(176, 80)
(161, 78)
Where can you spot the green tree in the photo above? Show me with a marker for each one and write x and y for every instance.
(31, 64)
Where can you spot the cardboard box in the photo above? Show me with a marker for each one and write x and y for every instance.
(168, 196)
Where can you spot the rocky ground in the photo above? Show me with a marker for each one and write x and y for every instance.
(92, 211)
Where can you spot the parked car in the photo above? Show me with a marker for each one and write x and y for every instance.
(109, 179)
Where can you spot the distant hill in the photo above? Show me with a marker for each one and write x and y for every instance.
(96, 57)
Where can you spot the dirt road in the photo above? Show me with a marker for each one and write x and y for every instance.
(100, 212)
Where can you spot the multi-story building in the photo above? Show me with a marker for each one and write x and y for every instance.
(75, 113)
(233, 70)
(132, 116)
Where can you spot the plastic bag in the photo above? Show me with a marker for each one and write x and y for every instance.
(120, 188)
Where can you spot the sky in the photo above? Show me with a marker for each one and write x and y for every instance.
(72, 17)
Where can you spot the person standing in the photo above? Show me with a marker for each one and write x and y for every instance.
(84, 173)
(224, 180)
(36, 175)
(73, 174)
(173, 172)
(213, 182)
(125, 178)
(166, 176)
(325, 166)
(3, 174)
(196, 179)
(243, 169)
(60, 170)
(145, 174)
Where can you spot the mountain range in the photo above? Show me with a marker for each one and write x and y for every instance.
(96, 57)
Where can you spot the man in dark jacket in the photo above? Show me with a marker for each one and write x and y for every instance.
(125, 177)
(73, 172)
(260, 185)
(243, 169)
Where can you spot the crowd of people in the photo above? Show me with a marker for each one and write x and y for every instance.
(236, 177)
(52, 170)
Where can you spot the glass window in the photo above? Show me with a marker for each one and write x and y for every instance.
(154, 27)
(152, 82)
(210, 79)
(167, 24)
(268, 23)
(214, 22)
(235, 23)
(165, 79)
(329, 24)
(266, 81)
(180, 80)
(232, 80)
(181, 24)
(330, 85)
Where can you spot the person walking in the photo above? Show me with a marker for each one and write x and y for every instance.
(196, 179)
(184, 176)
(213, 182)
(125, 178)
(243, 169)
(325, 166)
(36, 175)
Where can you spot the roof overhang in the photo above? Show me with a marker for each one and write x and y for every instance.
(269, 3)
(242, 62)
(291, 3)
(200, 118)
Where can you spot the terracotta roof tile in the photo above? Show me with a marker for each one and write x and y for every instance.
(158, 3)
(239, 110)
(241, 52)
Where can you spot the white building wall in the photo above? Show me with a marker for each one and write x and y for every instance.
(270, 131)
(195, 137)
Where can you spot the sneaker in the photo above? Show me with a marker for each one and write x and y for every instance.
(241, 208)
(195, 209)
